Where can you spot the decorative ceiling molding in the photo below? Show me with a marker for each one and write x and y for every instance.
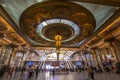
(65, 12)
(102, 2)
(111, 22)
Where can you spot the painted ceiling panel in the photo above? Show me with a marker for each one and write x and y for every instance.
(100, 12)
(15, 9)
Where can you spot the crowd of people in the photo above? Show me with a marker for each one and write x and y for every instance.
(33, 70)
(26, 72)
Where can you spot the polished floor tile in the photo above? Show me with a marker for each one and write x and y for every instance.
(71, 76)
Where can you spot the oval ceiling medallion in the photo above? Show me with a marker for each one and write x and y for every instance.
(42, 21)
(49, 28)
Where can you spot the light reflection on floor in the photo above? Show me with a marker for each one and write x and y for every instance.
(77, 76)
(71, 76)
(49, 76)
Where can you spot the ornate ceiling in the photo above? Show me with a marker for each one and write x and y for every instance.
(50, 18)
(8, 35)
(38, 21)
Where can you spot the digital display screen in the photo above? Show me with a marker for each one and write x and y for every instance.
(30, 63)
(78, 63)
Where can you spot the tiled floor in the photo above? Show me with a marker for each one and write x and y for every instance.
(70, 76)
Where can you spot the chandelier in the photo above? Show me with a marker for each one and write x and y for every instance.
(58, 39)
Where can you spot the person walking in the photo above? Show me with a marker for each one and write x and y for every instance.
(36, 72)
(91, 73)
(53, 72)
(27, 74)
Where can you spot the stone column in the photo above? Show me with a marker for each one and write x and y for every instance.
(2, 53)
(117, 45)
(100, 54)
(97, 55)
(22, 57)
(8, 53)
(7, 50)
(86, 59)
(105, 51)
(94, 56)
(90, 58)
(11, 55)
(81, 54)
(13, 46)
(113, 49)
(2, 49)
(117, 48)
(17, 59)
(98, 51)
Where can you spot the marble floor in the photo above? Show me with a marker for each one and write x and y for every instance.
(71, 76)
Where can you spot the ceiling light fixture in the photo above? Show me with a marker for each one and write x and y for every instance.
(58, 39)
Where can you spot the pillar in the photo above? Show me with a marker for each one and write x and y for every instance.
(86, 59)
(2, 50)
(9, 52)
(105, 51)
(81, 54)
(97, 55)
(117, 48)
(16, 59)
(113, 49)
(117, 44)
(11, 55)
(21, 63)
(2, 53)
(98, 51)
(94, 56)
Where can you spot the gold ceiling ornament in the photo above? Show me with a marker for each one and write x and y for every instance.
(58, 43)
(58, 39)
